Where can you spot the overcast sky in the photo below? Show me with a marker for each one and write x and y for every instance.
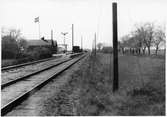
(88, 17)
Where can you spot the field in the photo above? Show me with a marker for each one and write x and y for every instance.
(141, 86)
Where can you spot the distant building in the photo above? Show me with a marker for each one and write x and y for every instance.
(61, 49)
(40, 43)
(107, 49)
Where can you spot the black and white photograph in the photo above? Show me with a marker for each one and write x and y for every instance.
(83, 57)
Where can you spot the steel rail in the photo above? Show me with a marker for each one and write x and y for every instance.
(25, 64)
(33, 62)
(36, 72)
(8, 107)
(31, 74)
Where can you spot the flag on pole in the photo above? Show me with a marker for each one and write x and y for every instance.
(43, 38)
(36, 19)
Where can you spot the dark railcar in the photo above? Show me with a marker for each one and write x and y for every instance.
(76, 49)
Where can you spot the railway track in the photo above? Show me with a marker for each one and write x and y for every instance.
(19, 90)
(10, 82)
(25, 64)
(14, 73)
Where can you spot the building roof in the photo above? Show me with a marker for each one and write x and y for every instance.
(38, 42)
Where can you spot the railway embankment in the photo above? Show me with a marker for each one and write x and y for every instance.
(89, 92)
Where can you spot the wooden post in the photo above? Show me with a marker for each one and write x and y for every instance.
(115, 48)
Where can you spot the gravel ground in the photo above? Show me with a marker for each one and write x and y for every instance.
(20, 72)
(15, 90)
(56, 98)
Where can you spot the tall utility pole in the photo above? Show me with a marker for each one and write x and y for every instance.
(72, 36)
(64, 40)
(115, 48)
(95, 44)
(51, 34)
(81, 42)
(52, 42)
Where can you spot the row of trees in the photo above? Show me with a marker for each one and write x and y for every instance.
(144, 36)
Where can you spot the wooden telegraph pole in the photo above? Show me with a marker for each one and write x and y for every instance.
(115, 48)
(51, 34)
(65, 45)
(72, 36)
(52, 42)
(95, 44)
(81, 43)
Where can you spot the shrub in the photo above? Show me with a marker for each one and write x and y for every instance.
(107, 50)
(9, 47)
(40, 53)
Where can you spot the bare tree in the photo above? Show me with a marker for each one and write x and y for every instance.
(127, 43)
(144, 36)
(3, 31)
(140, 34)
(15, 33)
(124, 41)
(99, 46)
(136, 42)
(158, 38)
(149, 28)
